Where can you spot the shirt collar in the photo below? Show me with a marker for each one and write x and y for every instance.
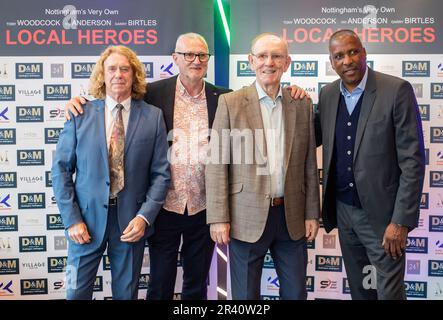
(111, 103)
(183, 91)
(360, 88)
(262, 94)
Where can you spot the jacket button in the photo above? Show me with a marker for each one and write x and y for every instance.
(107, 183)
(105, 206)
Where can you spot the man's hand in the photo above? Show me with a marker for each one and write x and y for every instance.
(297, 92)
(394, 240)
(79, 233)
(311, 226)
(134, 231)
(220, 232)
(75, 106)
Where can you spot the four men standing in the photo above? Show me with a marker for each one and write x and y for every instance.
(261, 179)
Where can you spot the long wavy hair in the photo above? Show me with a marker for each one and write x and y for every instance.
(97, 86)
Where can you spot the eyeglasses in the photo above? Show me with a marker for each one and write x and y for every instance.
(190, 56)
(262, 57)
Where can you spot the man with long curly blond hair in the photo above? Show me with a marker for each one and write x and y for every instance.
(118, 152)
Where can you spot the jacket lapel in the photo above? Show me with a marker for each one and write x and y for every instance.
(169, 99)
(101, 131)
(255, 119)
(365, 111)
(289, 118)
(211, 102)
(134, 118)
(331, 108)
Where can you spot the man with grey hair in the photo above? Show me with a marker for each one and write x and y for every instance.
(188, 103)
(267, 200)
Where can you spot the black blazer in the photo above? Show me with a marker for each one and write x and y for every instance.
(162, 95)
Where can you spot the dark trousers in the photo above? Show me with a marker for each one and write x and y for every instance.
(290, 260)
(365, 259)
(125, 257)
(196, 255)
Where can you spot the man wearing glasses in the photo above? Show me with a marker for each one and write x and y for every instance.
(188, 104)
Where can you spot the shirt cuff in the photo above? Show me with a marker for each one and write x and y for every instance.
(146, 220)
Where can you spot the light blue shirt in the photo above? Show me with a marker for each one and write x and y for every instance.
(351, 99)
(274, 129)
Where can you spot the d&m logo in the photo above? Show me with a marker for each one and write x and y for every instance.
(52, 135)
(437, 90)
(436, 134)
(8, 136)
(416, 68)
(7, 93)
(310, 283)
(81, 70)
(106, 262)
(436, 223)
(29, 114)
(48, 179)
(57, 264)
(416, 289)
(34, 157)
(9, 266)
(435, 268)
(29, 70)
(328, 263)
(33, 286)
(8, 179)
(6, 288)
(56, 92)
(149, 69)
(32, 244)
(4, 202)
(268, 263)
(304, 68)
(413, 266)
(143, 281)
(417, 245)
(32, 200)
(345, 286)
(425, 110)
(98, 284)
(244, 69)
(54, 222)
(4, 115)
(436, 179)
(8, 223)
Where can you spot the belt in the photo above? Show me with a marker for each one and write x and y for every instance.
(112, 202)
(275, 202)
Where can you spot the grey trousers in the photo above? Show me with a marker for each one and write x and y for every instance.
(365, 259)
